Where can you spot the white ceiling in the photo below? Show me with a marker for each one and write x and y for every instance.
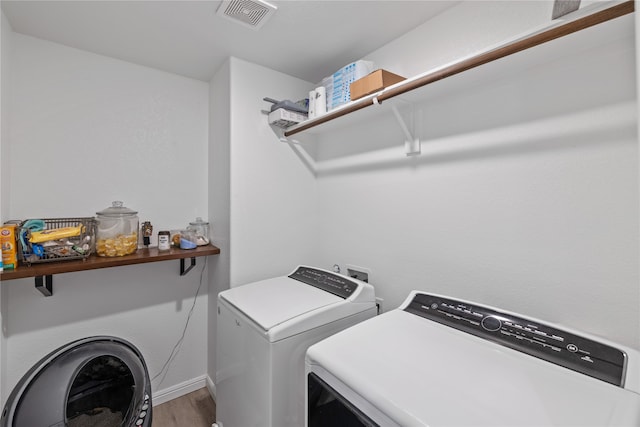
(306, 39)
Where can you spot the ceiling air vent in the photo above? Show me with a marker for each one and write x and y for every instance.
(250, 13)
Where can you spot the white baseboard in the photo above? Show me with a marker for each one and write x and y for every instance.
(173, 392)
(212, 387)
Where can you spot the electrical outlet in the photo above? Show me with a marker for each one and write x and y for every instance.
(360, 273)
(379, 302)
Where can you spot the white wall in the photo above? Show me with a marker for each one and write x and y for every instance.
(87, 130)
(458, 32)
(525, 196)
(219, 200)
(273, 207)
(5, 49)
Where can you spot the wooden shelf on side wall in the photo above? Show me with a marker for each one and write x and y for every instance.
(43, 272)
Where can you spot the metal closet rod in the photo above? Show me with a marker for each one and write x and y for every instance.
(562, 30)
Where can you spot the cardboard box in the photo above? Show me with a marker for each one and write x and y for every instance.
(9, 251)
(373, 82)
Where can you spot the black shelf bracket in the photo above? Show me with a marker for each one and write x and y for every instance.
(45, 285)
(184, 271)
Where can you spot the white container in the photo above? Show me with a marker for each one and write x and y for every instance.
(312, 104)
(320, 101)
(285, 118)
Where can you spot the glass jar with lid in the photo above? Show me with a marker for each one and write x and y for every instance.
(117, 231)
(201, 230)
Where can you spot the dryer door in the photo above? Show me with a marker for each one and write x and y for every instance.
(94, 381)
(327, 407)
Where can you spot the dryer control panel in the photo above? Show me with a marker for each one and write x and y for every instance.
(329, 282)
(546, 342)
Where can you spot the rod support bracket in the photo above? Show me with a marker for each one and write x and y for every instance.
(411, 143)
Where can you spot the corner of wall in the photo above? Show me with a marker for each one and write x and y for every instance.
(5, 48)
(219, 199)
(6, 33)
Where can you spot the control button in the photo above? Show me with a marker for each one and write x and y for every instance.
(491, 323)
(587, 359)
(572, 348)
(143, 414)
(145, 407)
(139, 422)
(434, 305)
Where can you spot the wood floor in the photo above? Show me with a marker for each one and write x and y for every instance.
(196, 409)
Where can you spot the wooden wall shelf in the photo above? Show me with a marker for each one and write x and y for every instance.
(142, 256)
(556, 30)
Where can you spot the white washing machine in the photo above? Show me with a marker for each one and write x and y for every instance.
(264, 329)
(436, 361)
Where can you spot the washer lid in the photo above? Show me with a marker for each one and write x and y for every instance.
(419, 372)
(274, 301)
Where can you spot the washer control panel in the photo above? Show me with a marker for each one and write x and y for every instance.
(571, 351)
(329, 282)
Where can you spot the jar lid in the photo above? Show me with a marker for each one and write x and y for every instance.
(117, 209)
(198, 221)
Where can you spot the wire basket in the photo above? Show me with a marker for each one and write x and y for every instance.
(78, 245)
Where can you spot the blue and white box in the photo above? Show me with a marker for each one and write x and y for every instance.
(337, 85)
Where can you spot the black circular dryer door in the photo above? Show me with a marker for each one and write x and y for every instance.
(92, 382)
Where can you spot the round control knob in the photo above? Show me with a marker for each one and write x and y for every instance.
(491, 323)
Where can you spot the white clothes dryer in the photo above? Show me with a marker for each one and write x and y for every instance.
(263, 331)
(438, 361)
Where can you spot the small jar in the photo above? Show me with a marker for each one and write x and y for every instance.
(164, 241)
(117, 231)
(175, 238)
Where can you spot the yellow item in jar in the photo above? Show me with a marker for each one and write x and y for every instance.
(120, 245)
(55, 234)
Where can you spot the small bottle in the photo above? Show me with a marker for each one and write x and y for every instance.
(164, 243)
